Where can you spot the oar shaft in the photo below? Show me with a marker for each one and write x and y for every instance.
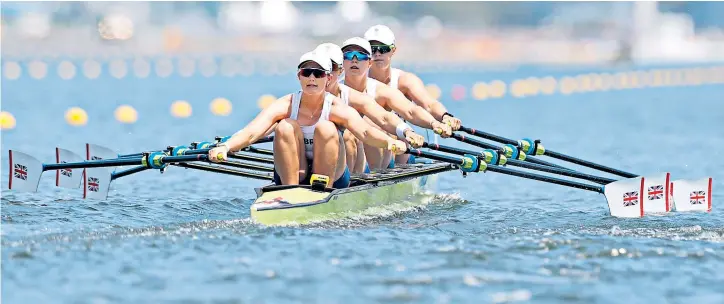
(228, 171)
(127, 172)
(586, 163)
(435, 156)
(575, 174)
(95, 164)
(261, 151)
(546, 179)
(448, 149)
(488, 136)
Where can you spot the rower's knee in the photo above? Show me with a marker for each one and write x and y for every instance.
(326, 130)
(286, 128)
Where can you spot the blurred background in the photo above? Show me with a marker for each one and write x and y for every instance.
(225, 54)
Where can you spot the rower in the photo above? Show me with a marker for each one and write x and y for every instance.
(307, 129)
(369, 108)
(356, 63)
(383, 47)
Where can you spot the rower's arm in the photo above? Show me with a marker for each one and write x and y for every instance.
(346, 116)
(368, 106)
(415, 89)
(408, 110)
(260, 126)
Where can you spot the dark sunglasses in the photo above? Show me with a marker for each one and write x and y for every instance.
(383, 49)
(360, 56)
(318, 73)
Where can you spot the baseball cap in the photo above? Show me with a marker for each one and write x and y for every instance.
(332, 50)
(380, 33)
(358, 41)
(318, 57)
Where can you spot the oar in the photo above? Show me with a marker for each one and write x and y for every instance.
(222, 170)
(470, 163)
(533, 147)
(492, 157)
(26, 170)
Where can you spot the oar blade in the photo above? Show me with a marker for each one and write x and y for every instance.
(67, 178)
(25, 172)
(692, 195)
(95, 152)
(96, 184)
(657, 198)
(626, 197)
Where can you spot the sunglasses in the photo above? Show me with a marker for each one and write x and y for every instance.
(318, 73)
(360, 56)
(383, 49)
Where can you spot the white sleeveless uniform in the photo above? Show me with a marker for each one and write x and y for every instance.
(308, 131)
(394, 77)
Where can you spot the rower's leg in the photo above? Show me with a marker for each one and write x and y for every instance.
(374, 155)
(290, 163)
(360, 165)
(402, 159)
(350, 148)
(327, 148)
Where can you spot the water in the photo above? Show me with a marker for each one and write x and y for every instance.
(185, 236)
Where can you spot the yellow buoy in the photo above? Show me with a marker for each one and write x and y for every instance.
(480, 91)
(76, 116)
(220, 106)
(434, 90)
(265, 100)
(181, 109)
(7, 121)
(126, 114)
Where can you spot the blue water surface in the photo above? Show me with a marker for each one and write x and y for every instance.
(185, 236)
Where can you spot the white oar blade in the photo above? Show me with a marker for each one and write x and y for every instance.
(94, 152)
(25, 172)
(96, 184)
(692, 195)
(67, 178)
(626, 197)
(657, 198)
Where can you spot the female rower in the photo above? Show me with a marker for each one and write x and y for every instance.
(356, 63)
(382, 42)
(307, 138)
(369, 108)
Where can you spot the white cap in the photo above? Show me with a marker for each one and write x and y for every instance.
(317, 57)
(332, 50)
(358, 41)
(380, 33)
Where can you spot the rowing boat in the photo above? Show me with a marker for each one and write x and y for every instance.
(303, 204)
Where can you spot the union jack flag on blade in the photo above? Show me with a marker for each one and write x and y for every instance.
(630, 198)
(93, 184)
(21, 171)
(697, 197)
(656, 192)
(66, 172)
